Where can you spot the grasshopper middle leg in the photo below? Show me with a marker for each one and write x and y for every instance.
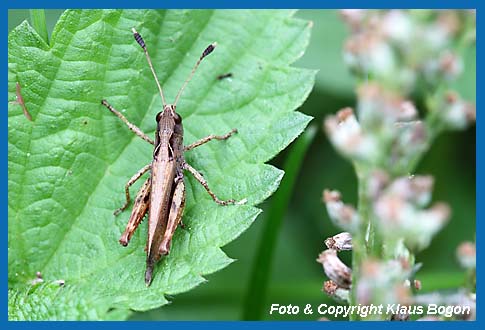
(209, 138)
(133, 179)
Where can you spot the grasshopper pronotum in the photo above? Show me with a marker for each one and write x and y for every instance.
(163, 193)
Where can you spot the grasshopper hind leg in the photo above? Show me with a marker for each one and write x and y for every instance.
(174, 217)
(140, 208)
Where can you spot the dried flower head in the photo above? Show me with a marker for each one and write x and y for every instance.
(342, 215)
(335, 269)
(333, 290)
(340, 242)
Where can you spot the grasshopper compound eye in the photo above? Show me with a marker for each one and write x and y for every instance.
(159, 115)
(177, 118)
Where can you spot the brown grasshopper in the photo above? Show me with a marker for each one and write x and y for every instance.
(163, 193)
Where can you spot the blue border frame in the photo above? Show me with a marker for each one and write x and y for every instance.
(220, 4)
(240, 4)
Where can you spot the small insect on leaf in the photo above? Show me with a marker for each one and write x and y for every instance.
(224, 76)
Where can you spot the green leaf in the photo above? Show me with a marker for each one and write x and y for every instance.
(68, 167)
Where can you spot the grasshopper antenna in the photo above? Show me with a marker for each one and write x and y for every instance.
(141, 42)
(206, 52)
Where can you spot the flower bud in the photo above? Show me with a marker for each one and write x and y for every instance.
(450, 65)
(378, 180)
(411, 138)
(457, 113)
(347, 137)
(383, 283)
(353, 17)
(368, 52)
(466, 255)
(400, 215)
(377, 107)
(415, 189)
(398, 27)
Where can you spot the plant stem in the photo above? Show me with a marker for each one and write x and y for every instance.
(357, 257)
(255, 300)
(362, 240)
(37, 16)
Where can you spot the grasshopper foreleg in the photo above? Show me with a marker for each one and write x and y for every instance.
(140, 208)
(131, 126)
(133, 179)
(203, 182)
(209, 138)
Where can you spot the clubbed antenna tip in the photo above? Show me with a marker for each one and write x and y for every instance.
(138, 38)
(141, 42)
(209, 50)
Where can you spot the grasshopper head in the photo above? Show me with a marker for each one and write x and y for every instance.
(169, 110)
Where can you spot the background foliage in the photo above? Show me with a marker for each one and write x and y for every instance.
(296, 277)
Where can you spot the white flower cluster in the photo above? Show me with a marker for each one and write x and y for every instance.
(400, 215)
(393, 53)
(400, 47)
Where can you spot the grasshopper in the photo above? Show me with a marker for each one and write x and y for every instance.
(163, 193)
